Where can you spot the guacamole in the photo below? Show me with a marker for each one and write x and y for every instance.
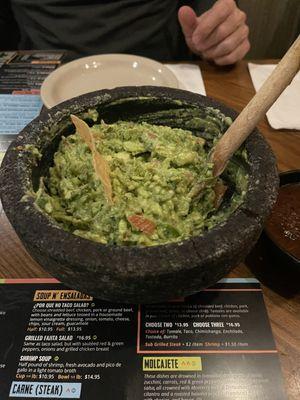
(161, 179)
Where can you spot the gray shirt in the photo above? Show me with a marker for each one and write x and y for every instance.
(145, 27)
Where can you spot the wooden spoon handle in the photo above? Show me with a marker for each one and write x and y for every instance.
(247, 120)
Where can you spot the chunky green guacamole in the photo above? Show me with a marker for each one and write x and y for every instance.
(162, 185)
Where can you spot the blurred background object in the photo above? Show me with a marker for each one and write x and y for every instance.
(274, 25)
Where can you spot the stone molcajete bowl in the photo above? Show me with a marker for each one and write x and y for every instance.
(131, 274)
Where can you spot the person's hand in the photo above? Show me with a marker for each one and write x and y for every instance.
(220, 34)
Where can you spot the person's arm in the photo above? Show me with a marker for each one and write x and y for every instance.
(9, 32)
(219, 34)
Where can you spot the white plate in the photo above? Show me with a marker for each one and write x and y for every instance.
(104, 71)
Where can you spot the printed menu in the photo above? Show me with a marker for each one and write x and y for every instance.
(21, 76)
(24, 73)
(56, 342)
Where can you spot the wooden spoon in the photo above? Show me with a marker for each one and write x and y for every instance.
(247, 120)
